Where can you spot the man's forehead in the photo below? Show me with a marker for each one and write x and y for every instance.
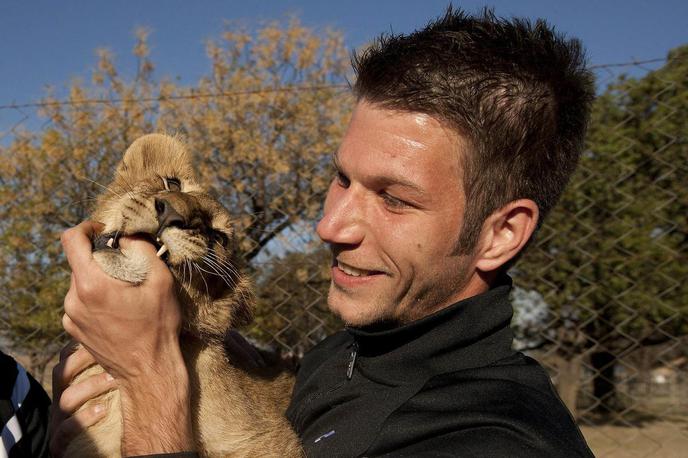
(412, 138)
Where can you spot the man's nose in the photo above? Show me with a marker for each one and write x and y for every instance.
(342, 222)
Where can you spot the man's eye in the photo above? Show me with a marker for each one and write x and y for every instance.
(393, 202)
(343, 180)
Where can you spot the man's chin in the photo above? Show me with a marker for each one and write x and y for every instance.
(354, 313)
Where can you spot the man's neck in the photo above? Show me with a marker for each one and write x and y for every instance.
(478, 283)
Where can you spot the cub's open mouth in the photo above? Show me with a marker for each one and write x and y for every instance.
(111, 241)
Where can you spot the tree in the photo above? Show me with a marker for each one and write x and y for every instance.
(611, 258)
(262, 125)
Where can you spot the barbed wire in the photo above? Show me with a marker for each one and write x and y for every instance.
(628, 64)
(161, 98)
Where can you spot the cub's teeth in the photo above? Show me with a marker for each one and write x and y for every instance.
(157, 239)
(111, 242)
(162, 250)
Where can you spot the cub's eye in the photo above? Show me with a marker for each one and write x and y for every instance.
(221, 238)
(172, 184)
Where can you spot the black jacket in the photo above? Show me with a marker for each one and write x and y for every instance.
(447, 385)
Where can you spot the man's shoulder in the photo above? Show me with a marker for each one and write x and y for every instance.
(516, 387)
(515, 369)
(510, 404)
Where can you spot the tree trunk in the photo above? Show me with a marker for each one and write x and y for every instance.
(603, 383)
(645, 371)
(568, 381)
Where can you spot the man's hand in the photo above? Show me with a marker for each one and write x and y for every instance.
(65, 422)
(128, 329)
(133, 332)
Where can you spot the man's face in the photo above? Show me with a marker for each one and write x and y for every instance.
(392, 218)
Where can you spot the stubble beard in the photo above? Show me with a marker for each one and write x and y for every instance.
(404, 307)
(369, 310)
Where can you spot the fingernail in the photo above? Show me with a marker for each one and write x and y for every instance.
(109, 377)
(98, 408)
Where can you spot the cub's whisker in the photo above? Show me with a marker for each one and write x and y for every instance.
(220, 272)
(212, 255)
(107, 188)
(207, 292)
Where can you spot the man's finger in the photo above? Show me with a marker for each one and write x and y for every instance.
(76, 395)
(136, 243)
(71, 328)
(143, 246)
(71, 301)
(76, 243)
(73, 426)
(70, 367)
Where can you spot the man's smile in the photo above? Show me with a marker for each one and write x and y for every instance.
(354, 271)
(348, 276)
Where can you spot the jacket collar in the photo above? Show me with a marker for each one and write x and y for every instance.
(471, 333)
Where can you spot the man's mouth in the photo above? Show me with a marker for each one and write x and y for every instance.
(354, 271)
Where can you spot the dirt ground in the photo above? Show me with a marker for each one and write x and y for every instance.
(657, 439)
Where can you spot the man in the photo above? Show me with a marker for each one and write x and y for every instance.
(463, 137)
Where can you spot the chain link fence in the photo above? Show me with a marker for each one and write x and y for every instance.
(600, 297)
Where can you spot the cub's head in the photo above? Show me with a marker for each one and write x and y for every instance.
(155, 194)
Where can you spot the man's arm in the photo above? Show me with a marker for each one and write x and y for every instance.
(133, 332)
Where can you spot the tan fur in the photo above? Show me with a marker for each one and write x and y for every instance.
(234, 412)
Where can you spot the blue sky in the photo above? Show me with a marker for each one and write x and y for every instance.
(50, 42)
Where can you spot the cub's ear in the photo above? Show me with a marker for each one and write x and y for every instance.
(156, 154)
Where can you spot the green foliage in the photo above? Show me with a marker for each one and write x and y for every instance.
(612, 256)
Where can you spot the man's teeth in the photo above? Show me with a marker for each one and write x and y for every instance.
(162, 250)
(354, 272)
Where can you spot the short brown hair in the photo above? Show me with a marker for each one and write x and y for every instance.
(520, 93)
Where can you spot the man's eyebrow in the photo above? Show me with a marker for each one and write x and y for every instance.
(400, 181)
(385, 180)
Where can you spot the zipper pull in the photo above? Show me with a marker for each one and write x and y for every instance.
(352, 361)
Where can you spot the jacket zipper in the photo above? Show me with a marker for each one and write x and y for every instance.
(352, 361)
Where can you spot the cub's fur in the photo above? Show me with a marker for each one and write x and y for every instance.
(155, 194)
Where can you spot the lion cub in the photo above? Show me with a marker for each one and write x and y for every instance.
(155, 194)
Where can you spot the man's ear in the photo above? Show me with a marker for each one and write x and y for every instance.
(505, 232)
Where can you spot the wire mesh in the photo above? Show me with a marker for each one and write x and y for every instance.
(600, 298)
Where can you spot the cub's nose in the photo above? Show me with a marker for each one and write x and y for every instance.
(167, 215)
